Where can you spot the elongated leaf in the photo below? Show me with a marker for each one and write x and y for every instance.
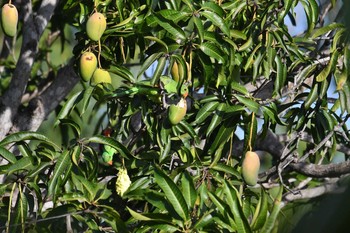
(171, 27)
(199, 26)
(226, 169)
(188, 189)
(224, 134)
(110, 142)
(270, 222)
(323, 30)
(122, 72)
(312, 96)
(217, 118)
(329, 68)
(172, 192)
(213, 51)
(24, 163)
(261, 212)
(232, 199)
(86, 99)
(216, 20)
(6, 154)
(148, 62)
(206, 111)
(159, 70)
(69, 105)
(189, 129)
(249, 103)
(23, 136)
(62, 164)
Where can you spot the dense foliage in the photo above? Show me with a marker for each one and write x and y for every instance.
(195, 85)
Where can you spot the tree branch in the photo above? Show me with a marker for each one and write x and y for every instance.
(330, 187)
(33, 28)
(319, 171)
(40, 107)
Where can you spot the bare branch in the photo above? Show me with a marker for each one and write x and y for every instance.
(330, 187)
(327, 170)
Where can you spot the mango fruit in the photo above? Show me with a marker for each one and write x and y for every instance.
(250, 168)
(95, 26)
(9, 19)
(100, 76)
(87, 65)
(177, 112)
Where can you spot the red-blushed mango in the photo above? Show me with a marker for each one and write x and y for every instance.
(9, 19)
(177, 112)
(250, 168)
(95, 26)
(100, 76)
(87, 65)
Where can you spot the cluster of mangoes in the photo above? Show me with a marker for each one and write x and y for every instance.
(89, 71)
(9, 19)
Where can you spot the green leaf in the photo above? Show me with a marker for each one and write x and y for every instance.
(23, 136)
(86, 98)
(24, 163)
(249, 103)
(69, 105)
(148, 62)
(6, 154)
(172, 192)
(224, 134)
(213, 51)
(62, 164)
(188, 189)
(74, 126)
(312, 96)
(171, 27)
(226, 169)
(189, 129)
(122, 72)
(200, 28)
(159, 41)
(159, 70)
(217, 21)
(323, 30)
(206, 111)
(261, 212)
(110, 142)
(329, 68)
(271, 220)
(216, 119)
(232, 200)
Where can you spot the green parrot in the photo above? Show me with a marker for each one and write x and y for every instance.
(108, 153)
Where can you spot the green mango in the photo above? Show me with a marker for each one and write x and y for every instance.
(95, 26)
(87, 65)
(100, 76)
(9, 19)
(250, 168)
(177, 112)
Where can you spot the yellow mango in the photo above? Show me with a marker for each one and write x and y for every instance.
(87, 65)
(100, 76)
(9, 19)
(177, 112)
(95, 26)
(250, 168)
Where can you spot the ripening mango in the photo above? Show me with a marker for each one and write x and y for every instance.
(100, 76)
(95, 26)
(88, 65)
(9, 19)
(250, 168)
(177, 112)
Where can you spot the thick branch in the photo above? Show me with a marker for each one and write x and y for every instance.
(318, 171)
(40, 107)
(313, 192)
(32, 31)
